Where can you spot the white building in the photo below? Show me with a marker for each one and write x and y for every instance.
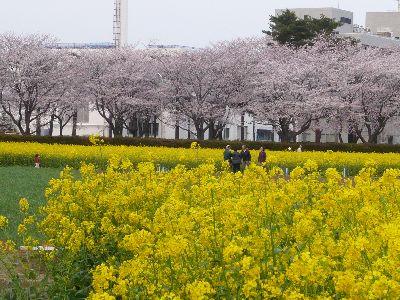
(386, 24)
(369, 39)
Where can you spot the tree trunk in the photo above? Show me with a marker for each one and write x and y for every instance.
(211, 131)
(154, 126)
(318, 135)
(133, 126)
(284, 136)
(51, 125)
(284, 133)
(220, 129)
(220, 137)
(200, 130)
(74, 122)
(147, 127)
(118, 127)
(27, 129)
(254, 130)
(188, 129)
(38, 126)
(200, 134)
(242, 127)
(360, 136)
(177, 130)
(340, 138)
(373, 138)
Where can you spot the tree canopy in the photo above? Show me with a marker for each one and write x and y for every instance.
(288, 29)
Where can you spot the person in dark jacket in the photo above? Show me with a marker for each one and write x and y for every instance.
(262, 156)
(227, 153)
(236, 160)
(246, 156)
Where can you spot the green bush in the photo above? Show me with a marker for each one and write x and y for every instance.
(131, 141)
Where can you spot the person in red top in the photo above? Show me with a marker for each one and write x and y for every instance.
(37, 161)
(262, 156)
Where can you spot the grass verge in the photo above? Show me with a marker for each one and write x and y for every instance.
(17, 182)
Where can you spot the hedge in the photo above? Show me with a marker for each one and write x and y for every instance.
(132, 141)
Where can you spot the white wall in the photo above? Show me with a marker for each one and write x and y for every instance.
(383, 21)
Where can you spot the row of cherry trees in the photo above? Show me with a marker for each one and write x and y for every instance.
(333, 83)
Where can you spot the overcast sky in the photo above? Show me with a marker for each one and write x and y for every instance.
(183, 22)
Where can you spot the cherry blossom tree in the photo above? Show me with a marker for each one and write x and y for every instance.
(292, 88)
(69, 95)
(368, 85)
(206, 86)
(118, 82)
(29, 72)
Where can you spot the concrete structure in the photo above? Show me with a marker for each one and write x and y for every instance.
(339, 15)
(253, 131)
(78, 46)
(386, 24)
(120, 27)
(369, 39)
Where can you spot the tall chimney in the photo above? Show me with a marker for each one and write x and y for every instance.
(120, 27)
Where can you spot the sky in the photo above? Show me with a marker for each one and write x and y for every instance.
(194, 23)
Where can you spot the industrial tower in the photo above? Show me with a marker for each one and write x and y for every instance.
(120, 26)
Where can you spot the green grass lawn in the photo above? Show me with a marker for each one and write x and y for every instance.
(17, 182)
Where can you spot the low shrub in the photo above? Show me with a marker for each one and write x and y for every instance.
(156, 142)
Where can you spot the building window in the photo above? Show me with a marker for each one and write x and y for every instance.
(345, 20)
(83, 115)
(239, 131)
(226, 134)
(264, 135)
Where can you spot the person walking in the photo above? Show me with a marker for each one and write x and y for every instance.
(262, 157)
(246, 156)
(236, 160)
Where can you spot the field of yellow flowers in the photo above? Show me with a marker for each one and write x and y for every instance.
(131, 232)
(59, 156)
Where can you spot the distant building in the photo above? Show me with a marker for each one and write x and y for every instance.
(369, 39)
(382, 30)
(101, 45)
(385, 24)
(343, 16)
(162, 46)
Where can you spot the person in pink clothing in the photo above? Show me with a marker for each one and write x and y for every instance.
(37, 161)
(262, 157)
